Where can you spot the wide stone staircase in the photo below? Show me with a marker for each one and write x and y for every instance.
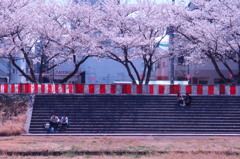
(138, 114)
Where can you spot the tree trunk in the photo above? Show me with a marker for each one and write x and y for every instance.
(130, 73)
(29, 64)
(77, 65)
(149, 71)
(40, 78)
(140, 80)
(238, 74)
(217, 68)
(22, 72)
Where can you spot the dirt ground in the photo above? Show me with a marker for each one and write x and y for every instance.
(47, 147)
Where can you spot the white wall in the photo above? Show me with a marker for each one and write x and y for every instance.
(105, 71)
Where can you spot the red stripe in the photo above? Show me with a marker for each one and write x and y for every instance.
(161, 89)
(199, 89)
(56, 88)
(5, 88)
(91, 88)
(80, 88)
(70, 88)
(151, 89)
(27, 88)
(12, 88)
(139, 89)
(42, 88)
(63, 88)
(49, 88)
(102, 89)
(210, 90)
(20, 88)
(35, 88)
(113, 89)
(126, 89)
(189, 89)
(174, 89)
(222, 89)
(233, 90)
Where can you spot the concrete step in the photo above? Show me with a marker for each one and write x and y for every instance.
(138, 114)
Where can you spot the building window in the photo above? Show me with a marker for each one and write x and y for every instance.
(203, 82)
(13, 71)
(220, 81)
(181, 78)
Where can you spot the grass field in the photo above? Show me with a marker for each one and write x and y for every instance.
(39, 147)
(13, 118)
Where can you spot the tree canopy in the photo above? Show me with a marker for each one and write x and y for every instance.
(49, 33)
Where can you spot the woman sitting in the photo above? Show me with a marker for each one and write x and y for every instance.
(188, 100)
(180, 100)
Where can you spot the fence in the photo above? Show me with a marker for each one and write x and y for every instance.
(119, 89)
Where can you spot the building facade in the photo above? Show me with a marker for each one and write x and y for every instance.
(203, 74)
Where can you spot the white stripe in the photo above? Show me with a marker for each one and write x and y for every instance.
(108, 89)
(205, 90)
(166, 89)
(32, 88)
(182, 89)
(155, 89)
(238, 90)
(227, 90)
(60, 88)
(194, 90)
(97, 89)
(119, 89)
(216, 90)
(46, 88)
(16, 88)
(67, 88)
(39, 88)
(145, 89)
(134, 89)
(86, 89)
(2, 88)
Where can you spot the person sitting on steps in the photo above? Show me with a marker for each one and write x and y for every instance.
(54, 120)
(180, 100)
(64, 121)
(188, 100)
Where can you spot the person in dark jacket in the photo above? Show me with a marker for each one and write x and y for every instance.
(180, 100)
(188, 100)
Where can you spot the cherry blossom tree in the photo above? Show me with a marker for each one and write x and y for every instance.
(27, 26)
(209, 30)
(131, 32)
(76, 22)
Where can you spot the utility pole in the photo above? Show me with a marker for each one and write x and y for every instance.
(171, 59)
(170, 32)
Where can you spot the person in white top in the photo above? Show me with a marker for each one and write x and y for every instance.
(64, 121)
(54, 120)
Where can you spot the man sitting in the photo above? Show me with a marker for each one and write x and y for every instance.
(54, 120)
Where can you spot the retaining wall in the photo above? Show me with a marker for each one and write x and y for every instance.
(119, 89)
